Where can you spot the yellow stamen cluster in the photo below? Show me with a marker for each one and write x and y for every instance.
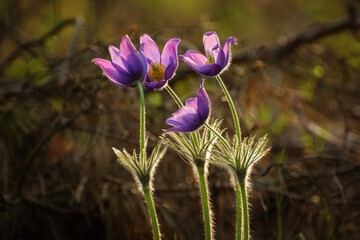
(156, 72)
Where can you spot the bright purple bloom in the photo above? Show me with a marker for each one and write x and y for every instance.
(161, 67)
(193, 115)
(127, 65)
(216, 60)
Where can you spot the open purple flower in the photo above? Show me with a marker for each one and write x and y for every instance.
(161, 67)
(216, 60)
(127, 65)
(193, 115)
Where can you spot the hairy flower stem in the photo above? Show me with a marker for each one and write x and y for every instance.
(232, 107)
(152, 212)
(205, 203)
(239, 212)
(201, 172)
(174, 96)
(146, 187)
(142, 125)
(245, 210)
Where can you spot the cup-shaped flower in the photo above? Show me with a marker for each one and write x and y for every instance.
(193, 115)
(161, 67)
(217, 59)
(127, 65)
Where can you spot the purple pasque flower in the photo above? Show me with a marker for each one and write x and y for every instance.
(127, 65)
(193, 115)
(161, 67)
(217, 59)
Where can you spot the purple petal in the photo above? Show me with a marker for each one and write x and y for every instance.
(182, 129)
(136, 64)
(155, 85)
(115, 73)
(193, 114)
(211, 69)
(192, 102)
(210, 40)
(170, 69)
(183, 116)
(227, 48)
(169, 54)
(132, 60)
(219, 57)
(149, 49)
(194, 59)
(115, 57)
(214, 52)
(126, 47)
(203, 102)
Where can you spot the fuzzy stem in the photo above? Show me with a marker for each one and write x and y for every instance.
(142, 126)
(152, 212)
(205, 203)
(245, 210)
(174, 96)
(232, 107)
(238, 213)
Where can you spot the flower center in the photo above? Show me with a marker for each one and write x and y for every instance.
(156, 72)
(210, 58)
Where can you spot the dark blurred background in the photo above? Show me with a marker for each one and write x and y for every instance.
(295, 76)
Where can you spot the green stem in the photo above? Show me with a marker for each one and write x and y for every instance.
(151, 207)
(174, 96)
(232, 107)
(142, 126)
(245, 210)
(238, 213)
(205, 202)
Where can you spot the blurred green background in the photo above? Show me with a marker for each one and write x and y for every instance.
(59, 118)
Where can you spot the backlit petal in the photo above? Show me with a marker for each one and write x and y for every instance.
(170, 69)
(210, 40)
(211, 69)
(132, 60)
(192, 102)
(115, 73)
(115, 57)
(193, 115)
(227, 48)
(126, 47)
(220, 57)
(203, 103)
(169, 54)
(149, 49)
(155, 85)
(194, 59)
(183, 116)
(182, 129)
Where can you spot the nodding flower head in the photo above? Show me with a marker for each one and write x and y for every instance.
(217, 59)
(127, 65)
(161, 67)
(193, 115)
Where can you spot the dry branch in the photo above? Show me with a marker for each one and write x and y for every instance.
(286, 45)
